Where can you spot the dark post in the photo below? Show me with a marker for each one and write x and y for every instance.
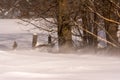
(34, 41)
(49, 39)
(14, 45)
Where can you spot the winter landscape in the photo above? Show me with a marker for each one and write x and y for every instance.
(59, 39)
(25, 63)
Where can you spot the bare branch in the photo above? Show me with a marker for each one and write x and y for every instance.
(107, 19)
(95, 35)
(40, 28)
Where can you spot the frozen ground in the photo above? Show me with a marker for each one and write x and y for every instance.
(27, 64)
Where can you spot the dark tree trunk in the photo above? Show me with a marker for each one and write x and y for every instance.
(110, 27)
(87, 38)
(85, 34)
(95, 30)
(64, 29)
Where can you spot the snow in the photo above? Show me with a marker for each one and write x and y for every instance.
(25, 63)
(34, 65)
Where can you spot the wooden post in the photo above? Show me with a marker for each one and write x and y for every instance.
(49, 39)
(14, 45)
(34, 41)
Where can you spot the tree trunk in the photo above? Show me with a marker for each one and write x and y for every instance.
(64, 29)
(95, 31)
(111, 28)
(84, 22)
(86, 17)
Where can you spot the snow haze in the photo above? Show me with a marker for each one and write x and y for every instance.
(10, 26)
(34, 65)
(26, 63)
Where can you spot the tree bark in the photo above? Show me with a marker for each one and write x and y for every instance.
(64, 29)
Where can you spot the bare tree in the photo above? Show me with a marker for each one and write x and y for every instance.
(64, 28)
(65, 13)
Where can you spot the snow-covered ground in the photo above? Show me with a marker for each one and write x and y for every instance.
(15, 30)
(34, 65)
(25, 63)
